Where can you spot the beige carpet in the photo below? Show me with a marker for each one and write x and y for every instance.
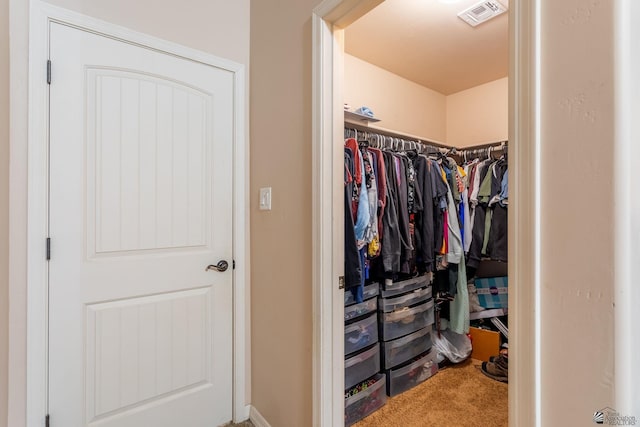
(458, 396)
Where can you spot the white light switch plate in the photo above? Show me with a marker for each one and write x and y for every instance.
(265, 199)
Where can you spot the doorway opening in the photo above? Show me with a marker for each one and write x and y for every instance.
(331, 19)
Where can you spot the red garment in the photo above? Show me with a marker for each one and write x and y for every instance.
(357, 159)
(349, 176)
(472, 175)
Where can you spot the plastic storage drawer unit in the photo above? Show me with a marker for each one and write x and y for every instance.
(403, 378)
(360, 334)
(366, 402)
(357, 310)
(361, 366)
(397, 288)
(403, 322)
(369, 291)
(398, 351)
(406, 300)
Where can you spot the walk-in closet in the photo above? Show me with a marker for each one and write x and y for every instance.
(426, 195)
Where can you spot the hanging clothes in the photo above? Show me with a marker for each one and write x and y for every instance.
(352, 266)
(497, 241)
(381, 186)
(424, 219)
(408, 214)
(490, 196)
(479, 219)
(406, 249)
(391, 244)
(454, 237)
(359, 205)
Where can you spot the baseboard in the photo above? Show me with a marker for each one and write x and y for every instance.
(257, 419)
(242, 414)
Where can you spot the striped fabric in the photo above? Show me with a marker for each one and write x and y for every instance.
(492, 292)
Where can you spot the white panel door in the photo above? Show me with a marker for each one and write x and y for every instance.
(141, 147)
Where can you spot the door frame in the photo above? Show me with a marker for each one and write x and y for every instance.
(627, 249)
(329, 19)
(36, 164)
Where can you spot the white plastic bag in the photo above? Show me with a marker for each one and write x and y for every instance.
(474, 302)
(455, 347)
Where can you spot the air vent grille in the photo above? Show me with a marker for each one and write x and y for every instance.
(482, 12)
(478, 11)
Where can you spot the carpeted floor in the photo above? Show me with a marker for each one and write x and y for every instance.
(459, 396)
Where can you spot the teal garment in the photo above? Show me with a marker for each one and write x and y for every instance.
(459, 307)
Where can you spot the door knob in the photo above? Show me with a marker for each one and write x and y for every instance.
(220, 266)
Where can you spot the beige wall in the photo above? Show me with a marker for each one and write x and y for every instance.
(4, 204)
(577, 211)
(577, 279)
(217, 27)
(402, 105)
(281, 238)
(474, 116)
(479, 115)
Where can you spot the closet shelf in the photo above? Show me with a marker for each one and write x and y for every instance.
(358, 118)
(485, 314)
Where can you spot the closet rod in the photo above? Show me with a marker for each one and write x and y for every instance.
(493, 145)
(362, 128)
(499, 147)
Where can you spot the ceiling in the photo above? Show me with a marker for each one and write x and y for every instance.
(424, 41)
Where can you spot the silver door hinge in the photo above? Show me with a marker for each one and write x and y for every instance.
(341, 282)
(46, 421)
(48, 248)
(48, 71)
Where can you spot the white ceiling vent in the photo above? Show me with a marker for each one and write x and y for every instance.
(482, 12)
